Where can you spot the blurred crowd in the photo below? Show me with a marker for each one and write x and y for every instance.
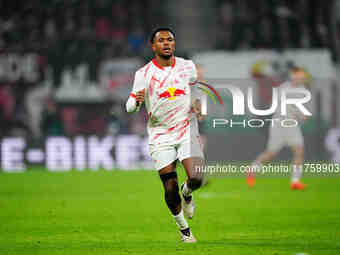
(39, 24)
(41, 39)
(274, 24)
(74, 31)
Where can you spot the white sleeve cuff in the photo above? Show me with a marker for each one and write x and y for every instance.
(131, 104)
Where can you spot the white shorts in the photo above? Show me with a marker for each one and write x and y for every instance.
(280, 137)
(164, 155)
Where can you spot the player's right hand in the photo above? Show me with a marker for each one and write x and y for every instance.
(140, 97)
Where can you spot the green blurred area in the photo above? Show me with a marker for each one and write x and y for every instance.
(123, 212)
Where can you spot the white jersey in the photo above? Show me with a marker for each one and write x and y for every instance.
(168, 98)
(280, 136)
(292, 111)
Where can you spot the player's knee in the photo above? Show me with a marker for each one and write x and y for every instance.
(299, 153)
(172, 197)
(269, 155)
(171, 186)
(195, 182)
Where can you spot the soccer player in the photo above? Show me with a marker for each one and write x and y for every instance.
(164, 84)
(285, 136)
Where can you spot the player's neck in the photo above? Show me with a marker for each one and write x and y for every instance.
(165, 62)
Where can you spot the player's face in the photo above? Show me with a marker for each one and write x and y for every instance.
(298, 78)
(164, 44)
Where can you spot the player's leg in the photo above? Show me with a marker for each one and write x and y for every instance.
(257, 164)
(203, 142)
(191, 155)
(193, 168)
(296, 143)
(169, 179)
(298, 159)
(265, 157)
(165, 162)
(275, 143)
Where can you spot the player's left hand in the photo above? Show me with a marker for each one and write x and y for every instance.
(197, 109)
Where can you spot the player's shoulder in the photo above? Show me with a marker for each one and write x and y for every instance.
(184, 62)
(144, 69)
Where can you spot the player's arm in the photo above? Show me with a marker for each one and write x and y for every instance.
(193, 73)
(197, 109)
(298, 115)
(196, 102)
(137, 94)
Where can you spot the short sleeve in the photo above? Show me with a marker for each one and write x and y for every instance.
(138, 83)
(192, 72)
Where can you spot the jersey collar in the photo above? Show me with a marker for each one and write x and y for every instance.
(154, 61)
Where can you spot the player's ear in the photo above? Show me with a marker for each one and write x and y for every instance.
(153, 47)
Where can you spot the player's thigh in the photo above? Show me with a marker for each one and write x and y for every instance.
(190, 148)
(191, 155)
(194, 167)
(276, 140)
(266, 156)
(168, 169)
(295, 138)
(163, 157)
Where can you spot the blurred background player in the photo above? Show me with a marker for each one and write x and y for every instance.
(332, 143)
(164, 85)
(280, 136)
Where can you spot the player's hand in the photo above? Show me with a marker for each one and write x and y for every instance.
(300, 117)
(140, 97)
(197, 109)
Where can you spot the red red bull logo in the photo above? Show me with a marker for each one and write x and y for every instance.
(171, 93)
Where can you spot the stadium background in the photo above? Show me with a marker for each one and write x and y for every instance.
(66, 70)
